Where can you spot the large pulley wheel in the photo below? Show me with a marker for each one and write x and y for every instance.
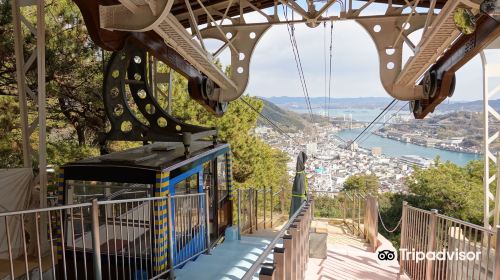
(430, 84)
(207, 88)
(452, 86)
(222, 107)
(416, 107)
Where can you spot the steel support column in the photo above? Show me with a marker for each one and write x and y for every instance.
(491, 72)
(32, 102)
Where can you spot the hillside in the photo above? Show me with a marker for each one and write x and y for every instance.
(474, 106)
(287, 120)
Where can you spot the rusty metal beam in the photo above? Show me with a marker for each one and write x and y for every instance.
(461, 52)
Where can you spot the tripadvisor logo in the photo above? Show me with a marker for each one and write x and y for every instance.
(386, 255)
(418, 256)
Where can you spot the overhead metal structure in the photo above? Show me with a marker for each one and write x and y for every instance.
(178, 29)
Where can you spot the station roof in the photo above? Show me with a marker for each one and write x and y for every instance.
(179, 7)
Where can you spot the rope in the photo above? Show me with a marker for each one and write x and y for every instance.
(383, 225)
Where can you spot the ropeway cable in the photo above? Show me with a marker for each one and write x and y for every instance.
(383, 124)
(298, 62)
(369, 132)
(374, 120)
(330, 73)
(267, 119)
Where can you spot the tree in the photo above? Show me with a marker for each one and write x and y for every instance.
(75, 108)
(453, 190)
(73, 66)
(362, 183)
(255, 163)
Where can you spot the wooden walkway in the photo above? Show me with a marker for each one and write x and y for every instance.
(349, 258)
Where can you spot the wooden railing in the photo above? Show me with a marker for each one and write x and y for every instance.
(290, 260)
(258, 208)
(358, 212)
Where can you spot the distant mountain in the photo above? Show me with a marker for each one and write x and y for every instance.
(294, 103)
(473, 106)
(316, 102)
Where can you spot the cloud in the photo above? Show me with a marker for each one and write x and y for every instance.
(355, 64)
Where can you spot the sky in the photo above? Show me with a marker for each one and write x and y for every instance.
(355, 64)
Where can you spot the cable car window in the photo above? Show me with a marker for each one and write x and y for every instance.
(208, 175)
(187, 186)
(85, 191)
(78, 221)
(222, 177)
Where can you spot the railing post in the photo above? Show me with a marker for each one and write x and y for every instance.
(239, 213)
(250, 208)
(207, 219)
(96, 242)
(496, 271)
(353, 213)
(295, 250)
(282, 201)
(267, 272)
(279, 262)
(170, 232)
(431, 243)
(374, 217)
(359, 214)
(403, 235)
(344, 208)
(264, 198)
(367, 222)
(288, 245)
(256, 210)
(272, 206)
(300, 245)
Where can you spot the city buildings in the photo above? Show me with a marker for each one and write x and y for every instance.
(329, 163)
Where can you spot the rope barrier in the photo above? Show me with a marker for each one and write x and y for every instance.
(383, 225)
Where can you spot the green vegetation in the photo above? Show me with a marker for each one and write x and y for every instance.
(289, 120)
(362, 183)
(327, 207)
(75, 108)
(452, 190)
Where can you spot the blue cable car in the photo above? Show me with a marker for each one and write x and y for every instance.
(131, 188)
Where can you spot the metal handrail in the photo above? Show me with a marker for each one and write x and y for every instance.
(253, 269)
(429, 232)
(464, 223)
(74, 235)
(54, 208)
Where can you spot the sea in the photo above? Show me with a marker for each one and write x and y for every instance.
(392, 147)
